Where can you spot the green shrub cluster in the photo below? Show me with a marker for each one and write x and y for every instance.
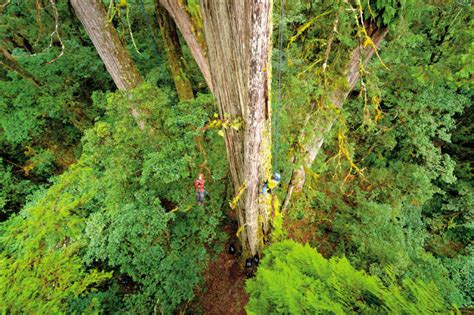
(124, 212)
(296, 279)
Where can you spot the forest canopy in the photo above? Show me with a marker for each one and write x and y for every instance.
(258, 156)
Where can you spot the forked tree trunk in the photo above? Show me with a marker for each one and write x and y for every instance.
(238, 37)
(173, 53)
(106, 41)
(178, 12)
(311, 143)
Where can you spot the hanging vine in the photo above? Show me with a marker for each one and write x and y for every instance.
(116, 10)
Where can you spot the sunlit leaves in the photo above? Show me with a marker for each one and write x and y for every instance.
(295, 279)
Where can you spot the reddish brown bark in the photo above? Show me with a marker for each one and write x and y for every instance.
(238, 37)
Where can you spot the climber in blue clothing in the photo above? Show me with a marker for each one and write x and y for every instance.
(271, 183)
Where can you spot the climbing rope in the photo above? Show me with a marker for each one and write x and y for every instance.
(275, 151)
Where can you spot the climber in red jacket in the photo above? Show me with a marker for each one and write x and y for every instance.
(199, 189)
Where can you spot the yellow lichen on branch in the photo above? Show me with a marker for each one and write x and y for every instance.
(224, 123)
(305, 26)
(241, 228)
(237, 197)
(115, 10)
(359, 18)
(343, 148)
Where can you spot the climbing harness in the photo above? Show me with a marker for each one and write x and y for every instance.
(282, 24)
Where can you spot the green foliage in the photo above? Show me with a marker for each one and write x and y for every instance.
(296, 279)
(13, 191)
(112, 212)
(135, 231)
(387, 12)
(413, 207)
(119, 232)
(461, 271)
(40, 268)
(42, 126)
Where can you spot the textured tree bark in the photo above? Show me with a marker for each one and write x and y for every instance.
(312, 145)
(238, 37)
(9, 62)
(173, 53)
(106, 41)
(182, 19)
(115, 56)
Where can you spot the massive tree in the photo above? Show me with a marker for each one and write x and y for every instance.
(238, 37)
(235, 62)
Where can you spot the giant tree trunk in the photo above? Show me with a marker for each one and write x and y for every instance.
(238, 37)
(311, 144)
(173, 53)
(106, 41)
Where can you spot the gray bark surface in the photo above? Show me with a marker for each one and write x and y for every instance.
(106, 41)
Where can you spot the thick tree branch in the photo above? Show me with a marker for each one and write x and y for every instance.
(4, 6)
(9, 62)
(106, 41)
(312, 145)
(104, 36)
(183, 21)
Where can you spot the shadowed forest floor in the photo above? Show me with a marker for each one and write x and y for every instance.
(223, 291)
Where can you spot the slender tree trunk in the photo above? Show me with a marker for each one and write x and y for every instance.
(173, 53)
(182, 19)
(238, 37)
(106, 41)
(10, 63)
(311, 144)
